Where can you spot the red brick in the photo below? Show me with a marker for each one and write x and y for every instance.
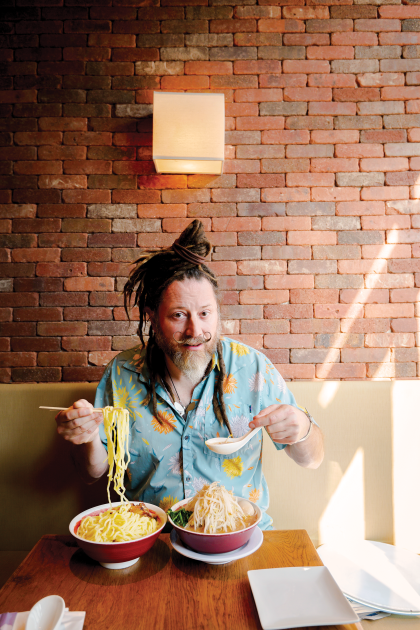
(377, 25)
(269, 66)
(297, 371)
(185, 83)
(208, 67)
(233, 26)
(334, 165)
(17, 359)
(246, 123)
(111, 41)
(284, 194)
(340, 371)
(306, 39)
(309, 179)
(330, 52)
(281, 26)
(308, 94)
(332, 109)
(359, 151)
(285, 137)
(332, 80)
(86, 196)
(356, 94)
(263, 297)
(325, 311)
(383, 164)
(334, 137)
(258, 95)
(359, 208)
(265, 180)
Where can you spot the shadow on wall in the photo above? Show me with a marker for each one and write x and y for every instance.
(366, 486)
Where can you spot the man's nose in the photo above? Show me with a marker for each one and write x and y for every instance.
(193, 327)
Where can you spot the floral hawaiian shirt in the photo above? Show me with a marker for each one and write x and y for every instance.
(169, 460)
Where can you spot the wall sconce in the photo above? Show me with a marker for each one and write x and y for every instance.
(188, 132)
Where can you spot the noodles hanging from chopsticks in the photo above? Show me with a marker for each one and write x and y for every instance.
(116, 425)
(126, 521)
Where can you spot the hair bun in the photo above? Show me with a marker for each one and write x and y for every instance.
(194, 239)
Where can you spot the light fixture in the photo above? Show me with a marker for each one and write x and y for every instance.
(188, 132)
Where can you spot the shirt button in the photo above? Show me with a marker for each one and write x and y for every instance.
(186, 438)
(188, 478)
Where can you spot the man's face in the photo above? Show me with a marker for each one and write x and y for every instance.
(188, 312)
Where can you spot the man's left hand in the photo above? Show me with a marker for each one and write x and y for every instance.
(285, 424)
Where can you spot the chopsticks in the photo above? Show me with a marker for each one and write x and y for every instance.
(63, 408)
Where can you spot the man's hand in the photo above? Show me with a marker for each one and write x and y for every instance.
(79, 424)
(285, 424)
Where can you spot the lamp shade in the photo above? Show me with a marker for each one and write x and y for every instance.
(188, 132)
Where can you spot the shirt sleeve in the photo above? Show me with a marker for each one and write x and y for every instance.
(275, 391)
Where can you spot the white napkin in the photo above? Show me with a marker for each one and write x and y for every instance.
(16, 621)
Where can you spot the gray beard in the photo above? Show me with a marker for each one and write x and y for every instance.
(192, 363)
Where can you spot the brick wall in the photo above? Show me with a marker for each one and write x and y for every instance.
(315, 222)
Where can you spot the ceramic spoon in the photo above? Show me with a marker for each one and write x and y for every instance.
(226, 446)
(46, 614)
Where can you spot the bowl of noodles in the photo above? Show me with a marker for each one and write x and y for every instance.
(214, 520)
(117, 534)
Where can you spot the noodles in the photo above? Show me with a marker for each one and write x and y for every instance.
(125, 522)
(120, 524)
(215, 510)
(116, 425)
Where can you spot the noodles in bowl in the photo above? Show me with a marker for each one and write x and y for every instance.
(117, 554)
(119, 524)
(214, 521)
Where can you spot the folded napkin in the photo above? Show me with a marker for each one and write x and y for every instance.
(17, 621)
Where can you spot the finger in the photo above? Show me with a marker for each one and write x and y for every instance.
(278, 414)
(78, 427)
(268, 409)
(82, 403)
(287, 435)
(80, 438)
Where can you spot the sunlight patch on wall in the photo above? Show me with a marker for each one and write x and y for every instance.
(406, 464)
(344, 517)
(327, 393)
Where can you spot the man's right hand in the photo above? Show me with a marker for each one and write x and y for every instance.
(79, 424)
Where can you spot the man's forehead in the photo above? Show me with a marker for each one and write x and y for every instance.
(201, 292)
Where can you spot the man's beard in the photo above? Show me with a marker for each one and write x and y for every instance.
(192, 363)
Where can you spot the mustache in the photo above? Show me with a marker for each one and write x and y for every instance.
(192, 341)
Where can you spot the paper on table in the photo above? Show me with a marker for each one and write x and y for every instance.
(16, 621)
(365, 612)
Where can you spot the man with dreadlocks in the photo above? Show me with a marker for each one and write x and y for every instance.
(185, 385)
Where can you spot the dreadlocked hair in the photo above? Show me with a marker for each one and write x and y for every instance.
(153, 272)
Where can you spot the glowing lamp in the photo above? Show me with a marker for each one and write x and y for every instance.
(188, 132)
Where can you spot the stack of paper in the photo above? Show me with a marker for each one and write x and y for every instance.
(365, 612)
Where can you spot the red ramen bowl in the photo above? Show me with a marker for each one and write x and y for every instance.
(117, 555)
(215, 543)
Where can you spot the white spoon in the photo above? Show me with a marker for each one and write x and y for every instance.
(226, 446)
(46, 614)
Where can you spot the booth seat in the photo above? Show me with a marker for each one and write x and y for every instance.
(366, 487)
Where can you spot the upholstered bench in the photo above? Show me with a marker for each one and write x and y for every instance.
(367, 485)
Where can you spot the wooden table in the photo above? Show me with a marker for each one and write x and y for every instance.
(164, 590)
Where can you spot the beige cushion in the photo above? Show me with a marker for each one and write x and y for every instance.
(365, 486)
